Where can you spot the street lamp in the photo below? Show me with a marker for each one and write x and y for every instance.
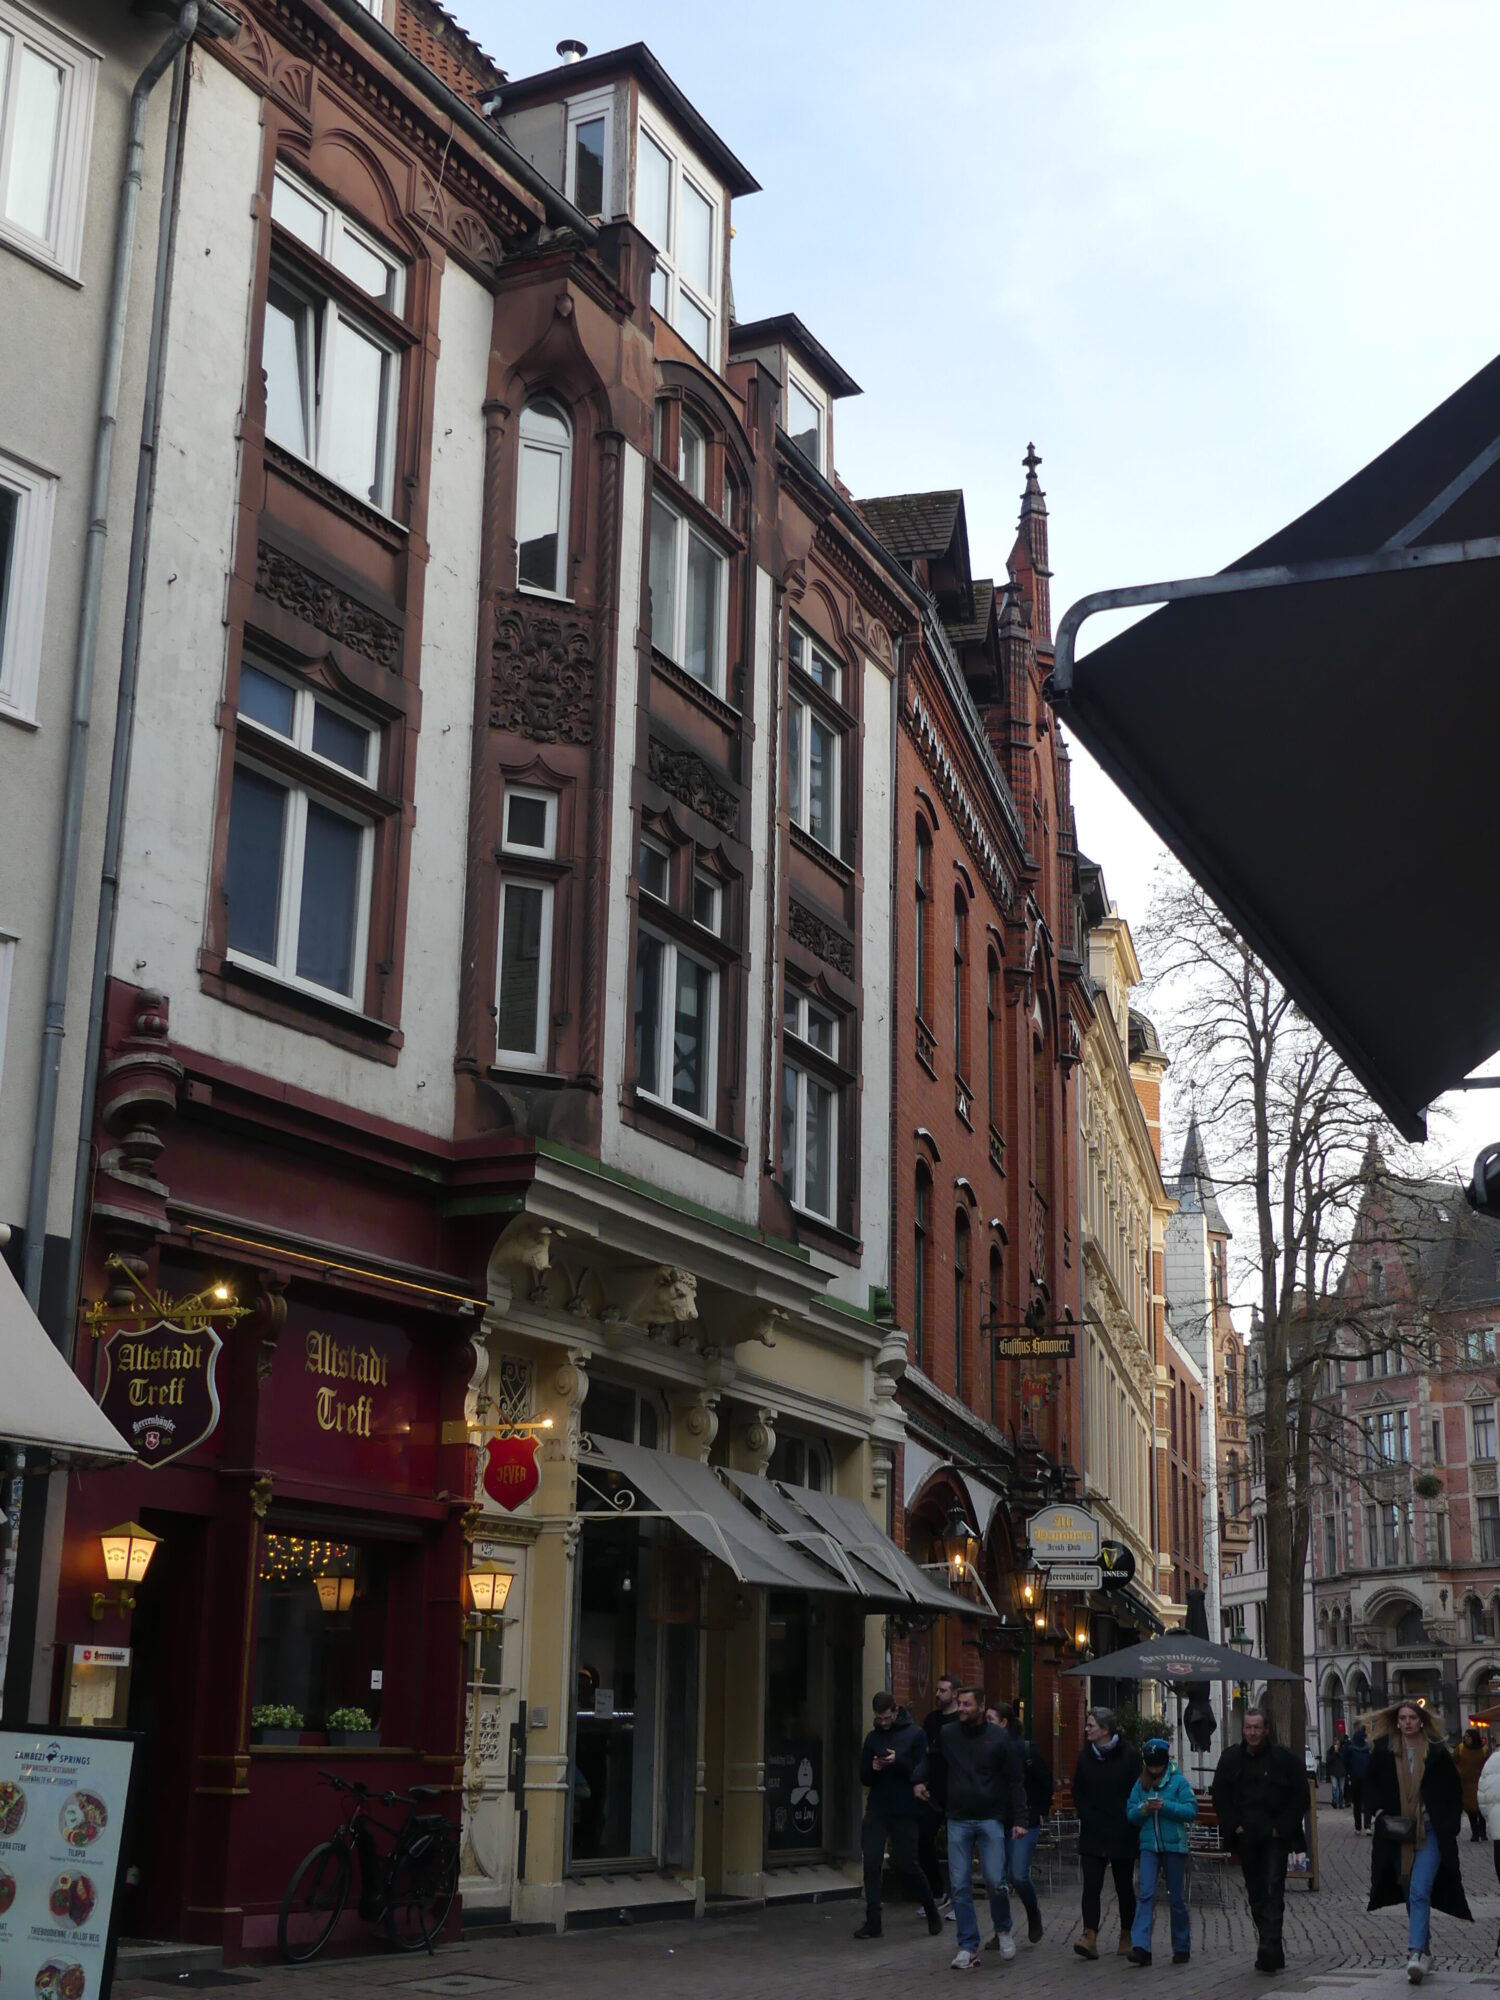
(488, 1590)
(128, 1550)
(960, 1545)
(335, 1593)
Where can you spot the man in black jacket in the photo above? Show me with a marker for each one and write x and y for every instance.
(893, 1750)
(1260, 1798)
(986, 1796)
(930, 1812)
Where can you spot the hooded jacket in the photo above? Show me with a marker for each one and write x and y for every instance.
(1164, 1832)
(1102, 1785)
(1442, 1808)
(890, 1786)
(1358, 1754)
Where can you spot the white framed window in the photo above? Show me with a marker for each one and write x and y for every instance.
(46, 119)
(676, 1027)
(809, 1105)
(807, 420)
(814, 742)
(332, 379)
(677, 207)
(654, 870)
(543, 496)
(524, 973)
(590, 152)
(8, 943)
(297, 882)
(708, 902)
(689, 596)
(27, 496)
(692, 456)
(1482, 1421)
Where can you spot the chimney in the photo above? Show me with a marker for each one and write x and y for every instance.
(572, 52)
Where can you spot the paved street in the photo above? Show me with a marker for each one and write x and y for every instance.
(1334, 1946)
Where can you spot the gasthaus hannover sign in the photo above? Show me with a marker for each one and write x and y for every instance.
(1063, 1535)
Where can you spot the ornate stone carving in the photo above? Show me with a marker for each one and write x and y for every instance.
(759, 1440)
(524, 1253)
(699, 1418)
(819, 937)
(137, 1098)
(260, 1495)
(690, 781)
(322, 604)
(542, 679)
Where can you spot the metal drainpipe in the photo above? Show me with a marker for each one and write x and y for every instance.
(55, 1020)
(119, 772)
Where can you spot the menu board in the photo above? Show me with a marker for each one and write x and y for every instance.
(63, 1797)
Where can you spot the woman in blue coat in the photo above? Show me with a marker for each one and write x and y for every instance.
(1161, 1804)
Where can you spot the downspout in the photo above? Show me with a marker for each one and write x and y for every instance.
(55, 1019)
(119, 771)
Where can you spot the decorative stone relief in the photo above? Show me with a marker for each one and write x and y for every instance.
(890, 1366)
(542, 676)
(819, 937)
(699, 1418)
(523, 1251)
(322, 604)
(690, 781)
(759, 1440)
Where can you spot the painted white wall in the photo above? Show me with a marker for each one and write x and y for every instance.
(170, 819)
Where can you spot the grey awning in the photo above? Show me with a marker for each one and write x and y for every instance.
(848, 1576)
(42, 1402)
(878, 1556)
(697, 1501)
(1313, 734)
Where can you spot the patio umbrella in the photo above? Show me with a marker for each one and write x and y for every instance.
(1198, 1719)
(1179, 1657)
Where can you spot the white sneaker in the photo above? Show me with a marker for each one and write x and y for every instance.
(1416, 1965)
(966, 1961)
(1007, 1944)
(951, 1914)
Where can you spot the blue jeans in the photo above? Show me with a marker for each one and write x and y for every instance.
(963, 1836)
(1338, 1791)
(1175, 1868)
(1018, 1853)
(1424, 1870)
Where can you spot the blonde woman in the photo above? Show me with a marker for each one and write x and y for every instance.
(1417, 1797)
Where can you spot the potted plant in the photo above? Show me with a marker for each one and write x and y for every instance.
(275, 1722)
(352, 1728)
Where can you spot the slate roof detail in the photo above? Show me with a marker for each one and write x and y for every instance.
(1194, 1187)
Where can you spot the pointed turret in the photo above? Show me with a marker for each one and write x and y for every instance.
(1033, 532)
(1195, 1183)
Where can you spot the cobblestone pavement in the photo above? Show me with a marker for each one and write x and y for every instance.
(1335, 1949)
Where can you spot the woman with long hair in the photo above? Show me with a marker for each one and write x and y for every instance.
(1417, 1797)
(1107, 1843)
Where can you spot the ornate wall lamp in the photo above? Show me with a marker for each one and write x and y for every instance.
(127, 1556)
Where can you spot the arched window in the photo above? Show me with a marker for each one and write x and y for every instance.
(961, 1286)
(992, 1042)
(924, 924)
(545, 482)
(960, 983)
(1474, 1612)
(921, 1263)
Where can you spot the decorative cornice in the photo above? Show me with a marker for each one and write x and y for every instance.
(332, 611)
(821, 938)
(542, 674)
(692, 783)
(934, 754)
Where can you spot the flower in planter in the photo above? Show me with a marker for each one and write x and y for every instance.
(351, 1718)
(275, 1715)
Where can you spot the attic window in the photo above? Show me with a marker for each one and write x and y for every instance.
(804, 422)
(587, 168)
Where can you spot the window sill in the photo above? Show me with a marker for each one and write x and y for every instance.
(544, 596)
(682, 1129)
(37, 253)
(302, 472)
(827, 1235)
(696, 691)
(825, 856)
(18, 718)
(546, 1079)
(239, 985)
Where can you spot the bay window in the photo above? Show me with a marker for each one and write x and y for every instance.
(689, 596)
(523, 998)
(677, 209)
(332, 377)
(542, 498)
(814, 739)
(809, 1104)
(297, 881)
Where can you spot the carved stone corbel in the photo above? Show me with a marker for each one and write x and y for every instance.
(698, 1416)
(759, 1439)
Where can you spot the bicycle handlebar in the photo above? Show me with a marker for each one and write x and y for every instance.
(364, 1792)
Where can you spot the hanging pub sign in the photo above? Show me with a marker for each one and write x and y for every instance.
(158, 1360)
(1117, 1561)
(511, 1473)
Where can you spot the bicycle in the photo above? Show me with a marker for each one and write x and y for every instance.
(411, 1890)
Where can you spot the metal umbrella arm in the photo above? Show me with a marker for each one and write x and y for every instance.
(972, 1577)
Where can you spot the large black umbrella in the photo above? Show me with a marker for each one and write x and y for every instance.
(1313, 731)
(1178, 1657)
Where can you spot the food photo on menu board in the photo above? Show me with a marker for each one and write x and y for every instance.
(62, 1805)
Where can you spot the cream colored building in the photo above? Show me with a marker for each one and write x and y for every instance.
(1124, 1212)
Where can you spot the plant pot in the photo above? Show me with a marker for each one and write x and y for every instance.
(354, 1739)
(280, 1738)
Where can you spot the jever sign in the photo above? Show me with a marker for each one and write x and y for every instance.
(511, 1473)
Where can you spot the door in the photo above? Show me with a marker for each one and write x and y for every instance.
(165, 1631)
(493, 1773)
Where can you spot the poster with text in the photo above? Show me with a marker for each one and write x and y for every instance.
(62, 1813)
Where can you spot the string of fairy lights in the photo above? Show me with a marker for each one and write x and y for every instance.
(293, 1558)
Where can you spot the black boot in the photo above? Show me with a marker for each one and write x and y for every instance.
(870, 1928)
(934, 1918)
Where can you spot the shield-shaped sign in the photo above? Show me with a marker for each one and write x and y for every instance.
(159, 1387)
(511, 1473)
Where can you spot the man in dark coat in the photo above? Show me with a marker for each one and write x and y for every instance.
(1107, 1843)
(1357, 1757)
(893, 1751)
(930, 1812)
(986, 1797)
(1260, 1797)
(1410, 1767)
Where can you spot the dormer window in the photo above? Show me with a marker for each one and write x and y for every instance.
(676, 207)
(587, 172)
(806, 422)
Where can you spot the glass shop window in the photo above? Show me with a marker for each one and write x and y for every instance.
(796, 1715)
(321, 1627)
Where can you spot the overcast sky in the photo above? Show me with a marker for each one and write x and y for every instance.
(1210, 258)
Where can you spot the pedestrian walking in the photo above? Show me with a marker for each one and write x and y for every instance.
(1161, 1804)
(1337, 1771)
(1417, 1796)
(894, 1749)
(1107, 1843)
(986, 1797)
(1260, 1798)
(1358, 1758)
(1036, 1776)
(1470, 1759)
(930, 1815)
(1489, 1805)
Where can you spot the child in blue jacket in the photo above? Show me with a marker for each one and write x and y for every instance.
(1161, 1803)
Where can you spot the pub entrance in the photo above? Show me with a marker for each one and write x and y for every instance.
(165, 1668)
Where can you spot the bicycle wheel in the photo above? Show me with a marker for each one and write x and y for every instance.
(423, 1884)
(314, 1902)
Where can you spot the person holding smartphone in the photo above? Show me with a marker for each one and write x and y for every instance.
(893, 1750)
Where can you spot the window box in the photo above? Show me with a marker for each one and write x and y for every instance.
(277, 1739)
(354, 1739)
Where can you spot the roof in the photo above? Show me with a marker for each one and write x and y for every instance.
(1342, 676)
(917, 525)
(973, 631)
(436, 38)
(1194, 1186)
(636, 60)
(1449, 1251)
(786, 329)
(1144, 1039)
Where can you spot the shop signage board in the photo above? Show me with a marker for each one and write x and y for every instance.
(1035, 1346)
(1117, 1560)
(355, 1398)
(1075, 1576)
(158, 1387)
(511, 1473)
(64, 1796)
(1063, 1534)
